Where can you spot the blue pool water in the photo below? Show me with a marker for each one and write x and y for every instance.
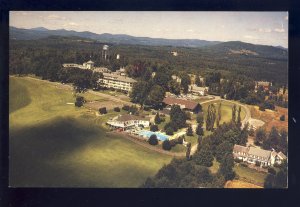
(160, 136)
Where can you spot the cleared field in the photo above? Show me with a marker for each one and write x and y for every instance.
(53, 144)
(226, 110)
(250, 175)
(240, 184)
(271, 118)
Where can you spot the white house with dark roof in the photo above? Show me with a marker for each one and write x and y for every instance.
(253, 154)
(127, 121)
(202, 91)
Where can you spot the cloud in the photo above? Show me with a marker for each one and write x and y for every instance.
(72, 24)
(222, 26)
(250, 37)
(280, 30)
(55, 17)
(190, 30)
(264, 30)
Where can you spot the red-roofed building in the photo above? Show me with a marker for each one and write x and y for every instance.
(184, 104)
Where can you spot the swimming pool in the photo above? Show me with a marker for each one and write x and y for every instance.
(159, 136)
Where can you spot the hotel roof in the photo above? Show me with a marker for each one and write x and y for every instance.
(187, 104)
(118, 77)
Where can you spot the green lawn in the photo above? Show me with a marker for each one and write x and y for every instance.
(250, 174)
(226, 110)
(22, 99)
(162, 124)
(53, 144)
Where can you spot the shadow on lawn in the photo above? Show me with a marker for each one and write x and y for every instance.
(32, 150)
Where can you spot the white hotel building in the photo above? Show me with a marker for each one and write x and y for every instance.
(111, 80)
(118, 82)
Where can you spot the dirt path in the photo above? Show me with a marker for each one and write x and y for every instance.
(148, 146)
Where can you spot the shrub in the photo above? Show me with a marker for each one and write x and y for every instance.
(189, 131)
(180, 139)
(79, 101)
(169, 131)
(257, 163)
(78, 104)
(153, 140)
(126, 108)
(133, 110)
(157, 119)
(102, 110)
(282, 118)
(262, 107)
(153, 128)
(276, 164)
(117, 109)
(200, 118)
(166, 145)
(271, 171)
(173, 142)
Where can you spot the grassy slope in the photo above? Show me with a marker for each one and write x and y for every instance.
(250, 174)
(20, 100)
(55, 144)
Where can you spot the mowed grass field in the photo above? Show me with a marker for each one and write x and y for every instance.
(53, 144)
(226, 110)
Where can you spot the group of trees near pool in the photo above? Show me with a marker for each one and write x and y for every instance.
(177, 120)
(194, 172)
(274, 139)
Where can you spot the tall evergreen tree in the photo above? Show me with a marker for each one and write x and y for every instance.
(157, 119)
(219, 114)
(226, 167)
(233, 119)
(189, 131)
(199, 130)
(239, 122)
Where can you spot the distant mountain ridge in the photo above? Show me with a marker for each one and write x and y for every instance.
(41, 32)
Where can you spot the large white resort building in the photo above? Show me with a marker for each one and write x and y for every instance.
(112, 80)
(128, 121)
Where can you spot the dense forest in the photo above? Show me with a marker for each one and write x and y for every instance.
(45, 56)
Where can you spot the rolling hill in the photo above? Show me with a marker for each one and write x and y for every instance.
(41, 32)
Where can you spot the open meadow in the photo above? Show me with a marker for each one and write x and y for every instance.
(54, 144)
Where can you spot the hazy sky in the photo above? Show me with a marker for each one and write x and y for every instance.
(268, 28)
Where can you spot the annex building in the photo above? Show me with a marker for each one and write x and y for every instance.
(252, 155)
